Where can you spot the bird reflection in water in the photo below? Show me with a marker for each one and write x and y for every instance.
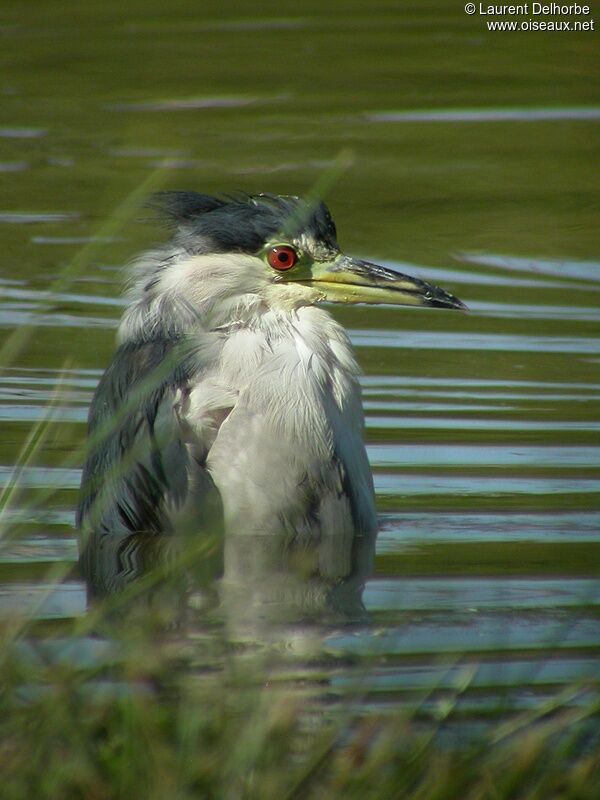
(231, 412)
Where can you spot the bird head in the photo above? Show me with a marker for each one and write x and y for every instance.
(238, 252)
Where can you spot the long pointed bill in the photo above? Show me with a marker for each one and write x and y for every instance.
(350, 280)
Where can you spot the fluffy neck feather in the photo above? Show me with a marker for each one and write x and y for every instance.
(179, 294)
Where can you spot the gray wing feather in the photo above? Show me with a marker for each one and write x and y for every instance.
(138, 469)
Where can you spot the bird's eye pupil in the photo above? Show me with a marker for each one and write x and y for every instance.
(282, 257)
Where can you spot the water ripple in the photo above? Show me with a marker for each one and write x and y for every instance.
(457, 341)
(515, 114)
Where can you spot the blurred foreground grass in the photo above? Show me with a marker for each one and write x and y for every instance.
(156, 718)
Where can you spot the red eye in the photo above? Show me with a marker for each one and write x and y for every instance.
(282, 258)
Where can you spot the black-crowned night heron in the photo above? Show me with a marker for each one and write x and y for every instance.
(231, 381)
